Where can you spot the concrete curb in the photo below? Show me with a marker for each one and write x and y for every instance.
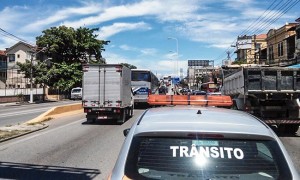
(55, 111)
(23, 134)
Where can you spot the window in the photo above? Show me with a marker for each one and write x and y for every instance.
(298, 33)
(140, 76)
(280, 49)
(191, 158)
(18, 56)
(271, 53)
(11, 57)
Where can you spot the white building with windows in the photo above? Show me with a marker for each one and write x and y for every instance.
(17, 53)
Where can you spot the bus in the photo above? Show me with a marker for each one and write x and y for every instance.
(143, 82)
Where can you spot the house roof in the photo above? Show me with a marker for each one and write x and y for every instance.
(20, 42)
(2, 53)
(261, 36)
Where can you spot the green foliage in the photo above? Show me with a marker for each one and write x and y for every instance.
(239, 62)
(65, 44)
(129, 66)
(68, 48)
(65, 76)
(39, 71)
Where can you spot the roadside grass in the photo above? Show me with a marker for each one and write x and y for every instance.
(40, 122)
(4, 134)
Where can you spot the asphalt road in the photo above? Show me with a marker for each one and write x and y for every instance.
(71, 149)
(14, 114)
(67, 149)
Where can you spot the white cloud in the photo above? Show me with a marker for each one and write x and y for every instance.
(11, 16)
(160, 67)
(167, 10)
(63, 14)
(141, 51)
(127, 48)
(148, 51)
(108, 31)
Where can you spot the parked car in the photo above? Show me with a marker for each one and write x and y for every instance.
(201, 143)
(76, 93)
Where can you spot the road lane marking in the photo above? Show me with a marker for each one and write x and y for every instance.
(23, 112)
(5, 146)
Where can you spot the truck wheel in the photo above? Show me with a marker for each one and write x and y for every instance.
(292, 128)
(282, 128)
(123, 117)
(90, 120)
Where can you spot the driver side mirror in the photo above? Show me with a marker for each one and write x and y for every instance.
(126, 131)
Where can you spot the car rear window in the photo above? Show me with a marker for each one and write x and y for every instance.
(76, 90)
(173, 158)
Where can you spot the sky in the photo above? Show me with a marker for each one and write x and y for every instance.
(160, 35)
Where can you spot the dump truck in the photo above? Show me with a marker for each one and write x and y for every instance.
(269, 93)
(107, 93)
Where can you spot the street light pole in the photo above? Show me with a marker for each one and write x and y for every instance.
(177, 53)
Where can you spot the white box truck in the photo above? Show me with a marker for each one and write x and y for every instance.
(107, 93)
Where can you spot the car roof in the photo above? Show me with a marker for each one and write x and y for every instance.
(201, 119)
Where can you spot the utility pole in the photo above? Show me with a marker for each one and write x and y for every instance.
(31, 93)
(255, 61)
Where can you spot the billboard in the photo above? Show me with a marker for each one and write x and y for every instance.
(203, 63)
(244, 42)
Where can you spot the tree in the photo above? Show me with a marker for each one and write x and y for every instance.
(68, 49)
(65, 44)
(129, 66)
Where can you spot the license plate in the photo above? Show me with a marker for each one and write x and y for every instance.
(102, 117)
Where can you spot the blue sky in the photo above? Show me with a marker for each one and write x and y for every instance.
(139, 29)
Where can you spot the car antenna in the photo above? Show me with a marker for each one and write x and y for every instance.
(199, 112)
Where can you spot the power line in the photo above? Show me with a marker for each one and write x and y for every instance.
(12, 36)
(253, 22)
(274, 17)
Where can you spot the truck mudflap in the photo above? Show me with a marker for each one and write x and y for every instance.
(200, 100)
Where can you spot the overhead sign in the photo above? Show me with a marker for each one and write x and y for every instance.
(203, 63)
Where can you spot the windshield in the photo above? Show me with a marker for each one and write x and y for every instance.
(76, 90)
(140, 76)
(176, 158)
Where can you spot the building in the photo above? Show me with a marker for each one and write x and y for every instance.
(17, 53)
(250, 49)
(199, 71)
(3, 68)
(297, 43)
(281, 45)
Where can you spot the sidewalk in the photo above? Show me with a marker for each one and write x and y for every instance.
(10, 104)
(24, 103)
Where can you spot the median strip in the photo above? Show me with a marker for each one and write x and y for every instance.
(38, 123)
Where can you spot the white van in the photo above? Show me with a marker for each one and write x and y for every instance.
(76, 93)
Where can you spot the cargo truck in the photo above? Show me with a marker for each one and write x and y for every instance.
(107, 93)
(270, 93)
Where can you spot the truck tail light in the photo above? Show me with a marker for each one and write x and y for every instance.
(117, 110)
(87, 110)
